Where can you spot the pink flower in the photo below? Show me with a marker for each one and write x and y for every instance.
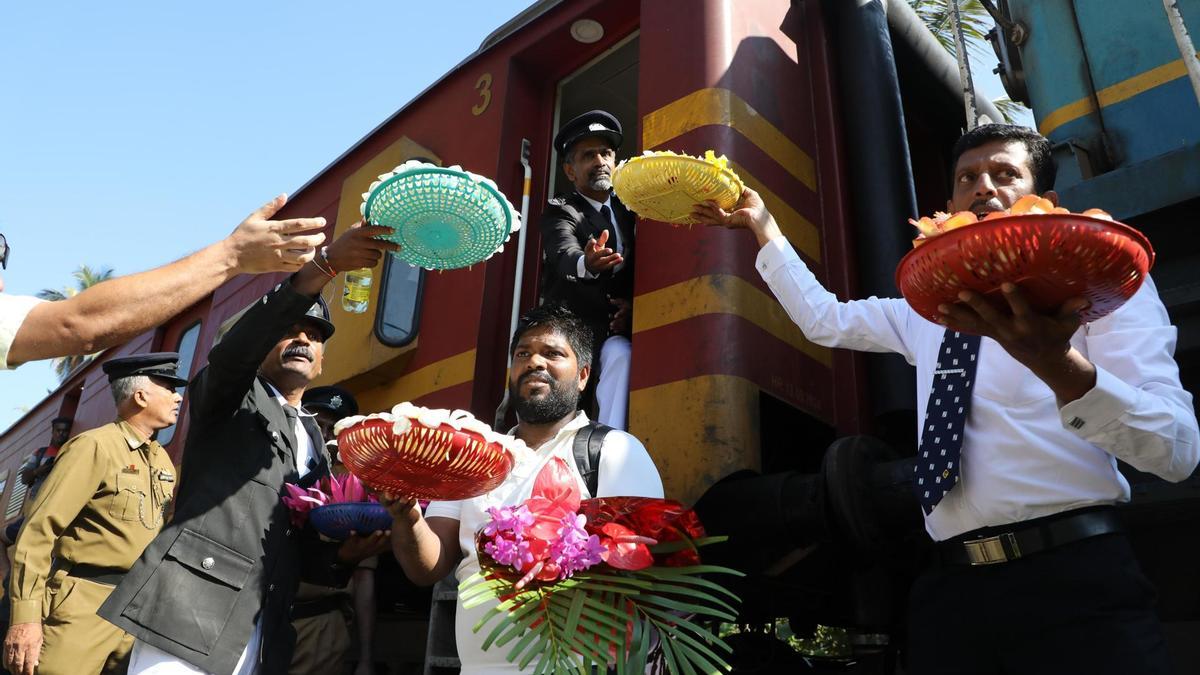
(514, 552)
(575, 550)
(512, 519)
(300, 502)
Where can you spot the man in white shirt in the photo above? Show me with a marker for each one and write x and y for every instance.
(549, 371)
(588, 247)
(118, 310)
(1032, 574)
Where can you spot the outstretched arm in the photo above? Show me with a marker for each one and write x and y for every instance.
(118, 310)
(233, 363)
(871, 325)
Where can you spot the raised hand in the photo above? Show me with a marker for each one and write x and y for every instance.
(358, 247)
(260, 244)
(749, 213)
(597, 257)
(405, 511)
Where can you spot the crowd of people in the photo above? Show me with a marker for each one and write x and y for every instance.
(1024, 415)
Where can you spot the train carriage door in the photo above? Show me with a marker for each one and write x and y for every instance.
(608, 82)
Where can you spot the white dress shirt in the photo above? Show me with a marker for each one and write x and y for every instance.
(1023, 456)
(13, 310)
(625, 470)
(580, 270)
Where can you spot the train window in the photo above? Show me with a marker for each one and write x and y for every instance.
(399, 313)
(15, 500)
(187, 353)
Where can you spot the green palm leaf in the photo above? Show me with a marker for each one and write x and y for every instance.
(85, 278)
(976, 22)
(581, 622)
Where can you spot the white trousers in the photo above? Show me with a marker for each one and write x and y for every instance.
(146, 659)
(612, 390)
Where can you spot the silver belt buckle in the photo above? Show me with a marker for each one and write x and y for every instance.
(991, 550)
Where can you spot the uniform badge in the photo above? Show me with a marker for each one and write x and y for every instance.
(166, 476)
(131, 469)
(336, 402)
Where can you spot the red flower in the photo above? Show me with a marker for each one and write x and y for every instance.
(662, 520)
(555, 496)
(624, 549)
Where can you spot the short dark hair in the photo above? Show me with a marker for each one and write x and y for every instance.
(562, 321)
(1041, 163)
(62, 420)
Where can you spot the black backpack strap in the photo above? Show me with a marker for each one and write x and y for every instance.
(587, 445)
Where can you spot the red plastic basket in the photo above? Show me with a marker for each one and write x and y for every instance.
(440, 463)
(1051, 257)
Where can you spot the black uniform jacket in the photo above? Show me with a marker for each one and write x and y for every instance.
(567, 223)
(230, 554)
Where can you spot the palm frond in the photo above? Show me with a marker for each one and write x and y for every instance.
(1012, 110)
(601, 618)
(939, 18)
(53, 295)
(85, 277)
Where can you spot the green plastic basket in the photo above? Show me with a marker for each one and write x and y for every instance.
(444, 218)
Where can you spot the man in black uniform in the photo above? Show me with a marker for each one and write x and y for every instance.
(587, 240)
(211, 592)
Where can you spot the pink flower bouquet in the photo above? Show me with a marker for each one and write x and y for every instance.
(597, 582)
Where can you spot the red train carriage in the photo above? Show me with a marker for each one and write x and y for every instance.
(827, 109)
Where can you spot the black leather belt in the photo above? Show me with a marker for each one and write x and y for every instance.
(311, 608)
(104, 575)
(993, 545)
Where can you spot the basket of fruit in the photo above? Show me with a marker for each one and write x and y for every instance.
(1053, 255)
(665, 186)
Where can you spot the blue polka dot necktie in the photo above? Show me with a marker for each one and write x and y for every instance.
(936, 471)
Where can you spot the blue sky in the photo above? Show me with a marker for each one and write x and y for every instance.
(135, 132)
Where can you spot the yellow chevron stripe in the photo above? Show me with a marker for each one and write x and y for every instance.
(803, 234)
(722, 294)
(716, 106)
(434, 377)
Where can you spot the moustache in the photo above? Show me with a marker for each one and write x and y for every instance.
(541, 376)
(298, 350)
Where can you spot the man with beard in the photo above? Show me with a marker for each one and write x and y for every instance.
(1017, 466)
(587, 240)
(93, 517)
(549, 371)
(212, 591)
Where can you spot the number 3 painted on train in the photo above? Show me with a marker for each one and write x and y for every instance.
(484, 86)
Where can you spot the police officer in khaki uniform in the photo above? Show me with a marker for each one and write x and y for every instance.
(104, 502)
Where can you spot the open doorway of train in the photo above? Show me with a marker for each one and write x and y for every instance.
(608, 82)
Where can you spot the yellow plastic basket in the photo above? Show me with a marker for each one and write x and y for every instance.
(665, 186)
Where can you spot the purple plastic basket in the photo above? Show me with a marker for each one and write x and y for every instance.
(337, 520)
